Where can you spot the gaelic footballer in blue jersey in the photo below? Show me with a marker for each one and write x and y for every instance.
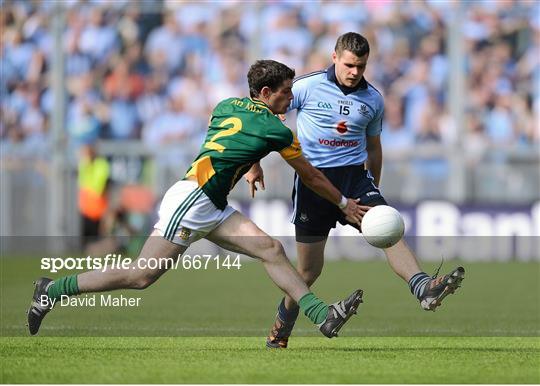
(339, 120)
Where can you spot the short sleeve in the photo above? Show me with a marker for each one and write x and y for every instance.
(374, 127)
(283, 140)
(294, 150)
(301, 89)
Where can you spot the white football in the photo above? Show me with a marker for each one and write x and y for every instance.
(382, 226)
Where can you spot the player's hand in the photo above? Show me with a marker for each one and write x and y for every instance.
(254, 175)
(362, 210)
(354, 212)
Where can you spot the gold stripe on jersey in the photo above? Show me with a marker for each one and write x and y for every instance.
(259, 103)
(293, 151)
(237, 174)
(202, 169)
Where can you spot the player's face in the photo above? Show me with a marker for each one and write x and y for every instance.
(279, 100)
(349, 68)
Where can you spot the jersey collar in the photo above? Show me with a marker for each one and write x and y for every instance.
(260, 103)
(331, 74)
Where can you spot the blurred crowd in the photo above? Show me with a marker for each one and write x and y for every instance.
(153, 71)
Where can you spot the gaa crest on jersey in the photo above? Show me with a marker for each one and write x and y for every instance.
(324, 105)
(184, 233)
(364, 110)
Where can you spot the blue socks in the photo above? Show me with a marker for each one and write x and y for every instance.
(287, 316)
(418, 283)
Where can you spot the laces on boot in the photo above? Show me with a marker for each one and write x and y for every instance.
(438, 269)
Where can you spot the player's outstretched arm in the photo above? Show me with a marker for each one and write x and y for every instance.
(255, 174)
(317, 181)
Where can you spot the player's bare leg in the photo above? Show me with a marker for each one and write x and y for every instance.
(310, 262)
(402, 261)
(309, 266)
(240, 234)
(430, 291)
(138, 275)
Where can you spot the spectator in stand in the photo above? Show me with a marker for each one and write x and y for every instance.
(19, 52)
(122, 81)
(395, 137)
(165, 46)
(152, 102)
(76, 62)
(98, 39)
(32, 119)
(176, 126)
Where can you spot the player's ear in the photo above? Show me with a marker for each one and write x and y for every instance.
(265, 92)
(334, 57)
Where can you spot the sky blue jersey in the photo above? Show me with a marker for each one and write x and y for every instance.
(333, 121)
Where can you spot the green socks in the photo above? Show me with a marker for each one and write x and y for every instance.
(314, 308)
(66, 285)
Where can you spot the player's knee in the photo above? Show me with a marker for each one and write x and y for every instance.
(271, 249)
(277, 248)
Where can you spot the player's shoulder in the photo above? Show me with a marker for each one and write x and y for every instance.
(276, 125)
(276, 128)
(242, 105)
(226, 105)
(310, 78)
(259, 113)
(375, 93)
(228, 101)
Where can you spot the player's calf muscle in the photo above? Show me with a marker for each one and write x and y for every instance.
(141, 281)
(309, 276)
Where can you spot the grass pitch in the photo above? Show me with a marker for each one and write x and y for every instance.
(243, 360)
(209, 327)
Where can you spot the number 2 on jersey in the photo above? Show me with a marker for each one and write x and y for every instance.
(236, 127)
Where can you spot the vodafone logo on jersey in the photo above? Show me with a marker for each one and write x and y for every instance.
(342, 127)
(337, 142)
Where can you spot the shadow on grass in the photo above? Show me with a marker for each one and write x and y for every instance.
(259, 349)
(421, 349)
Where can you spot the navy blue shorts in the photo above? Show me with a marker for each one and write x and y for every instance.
(314, 216)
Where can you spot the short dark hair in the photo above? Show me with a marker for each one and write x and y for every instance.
(354, 42)
(267, 73)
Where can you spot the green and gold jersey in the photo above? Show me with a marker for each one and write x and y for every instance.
(241, 131)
